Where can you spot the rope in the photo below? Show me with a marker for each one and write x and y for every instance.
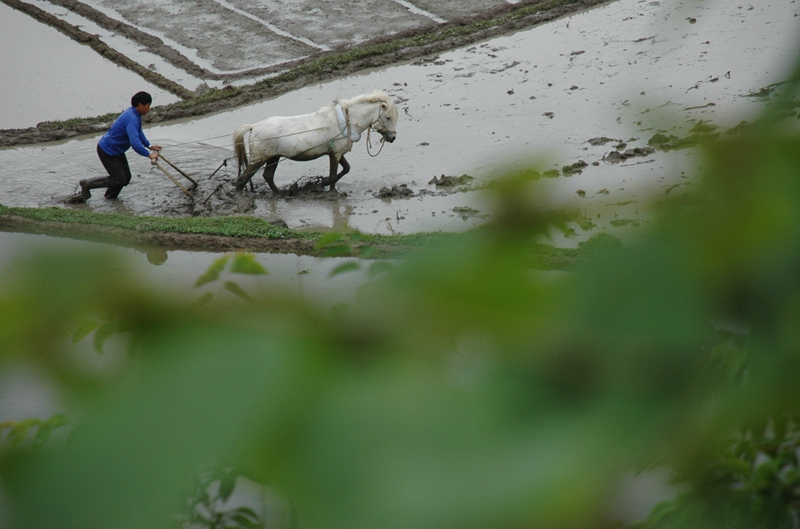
(199, 141)
(330, 142)
(369, 144)
(225, 160)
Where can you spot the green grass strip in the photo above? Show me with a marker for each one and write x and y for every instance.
(544, 256)
(225, 226)
(232, 226)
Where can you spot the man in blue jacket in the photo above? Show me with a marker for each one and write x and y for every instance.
(126, 132)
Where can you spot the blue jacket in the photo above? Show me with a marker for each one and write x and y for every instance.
(126, 132)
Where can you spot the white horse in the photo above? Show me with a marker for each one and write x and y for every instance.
(329, 131)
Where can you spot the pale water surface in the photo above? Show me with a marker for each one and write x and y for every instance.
(47, 76)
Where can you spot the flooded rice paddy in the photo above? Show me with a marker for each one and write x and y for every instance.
(49, 77)
(623, 71)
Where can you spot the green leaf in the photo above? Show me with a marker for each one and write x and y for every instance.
(84, 328)
(338, 250)
(47, 427)
(19, 431)
(246, 512)
(329, 238)
(212, 274)
(205, 299)
(232, 287)
(244, 522)
(245, 263)
(380, 267)
(226, 486)
(367, 252)
(349, 266)
(103, 333)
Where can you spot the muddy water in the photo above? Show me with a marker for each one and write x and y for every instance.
(624, 71)
(47, 76)
(175, 272)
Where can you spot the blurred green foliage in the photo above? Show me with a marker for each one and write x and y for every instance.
(16, 435)
(460, 389)
(207, 508)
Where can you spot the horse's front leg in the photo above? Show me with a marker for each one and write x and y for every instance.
(334, 165)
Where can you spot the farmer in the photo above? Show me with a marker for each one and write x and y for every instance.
(126, 132)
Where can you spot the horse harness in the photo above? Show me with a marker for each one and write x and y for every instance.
(345, 130)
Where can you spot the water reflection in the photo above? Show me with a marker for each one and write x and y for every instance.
(176, 271)
(157, 256)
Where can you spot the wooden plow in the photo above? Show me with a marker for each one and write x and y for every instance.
(177, 183)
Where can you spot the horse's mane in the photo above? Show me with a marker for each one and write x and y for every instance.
(378, 96)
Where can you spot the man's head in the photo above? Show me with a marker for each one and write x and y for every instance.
(141, 102)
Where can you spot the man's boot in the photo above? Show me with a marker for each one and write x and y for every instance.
(86, 187)
(92, 183)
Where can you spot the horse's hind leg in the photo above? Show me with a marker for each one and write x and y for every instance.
(269, 173)
(334, 165)
(248, 173)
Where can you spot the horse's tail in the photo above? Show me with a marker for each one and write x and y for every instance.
(238, 144)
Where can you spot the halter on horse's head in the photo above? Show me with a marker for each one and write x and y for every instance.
(387, 120)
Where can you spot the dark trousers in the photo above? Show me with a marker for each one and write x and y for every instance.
(119, 174)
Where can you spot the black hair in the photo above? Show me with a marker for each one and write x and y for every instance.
(141, 97)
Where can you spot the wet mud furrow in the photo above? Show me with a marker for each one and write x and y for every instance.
(100, 47)
(151, 43)
(316, 67)
(272, 27)
(225, 40)
(157, 46)
(458, 10)
(416, 10)
(335, 24)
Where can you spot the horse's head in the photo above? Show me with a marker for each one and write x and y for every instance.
(387, 120)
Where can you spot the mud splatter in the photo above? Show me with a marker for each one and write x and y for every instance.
(575, 168)
(467, 213)
(398, 191)
(451, 181)
(617, 157)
